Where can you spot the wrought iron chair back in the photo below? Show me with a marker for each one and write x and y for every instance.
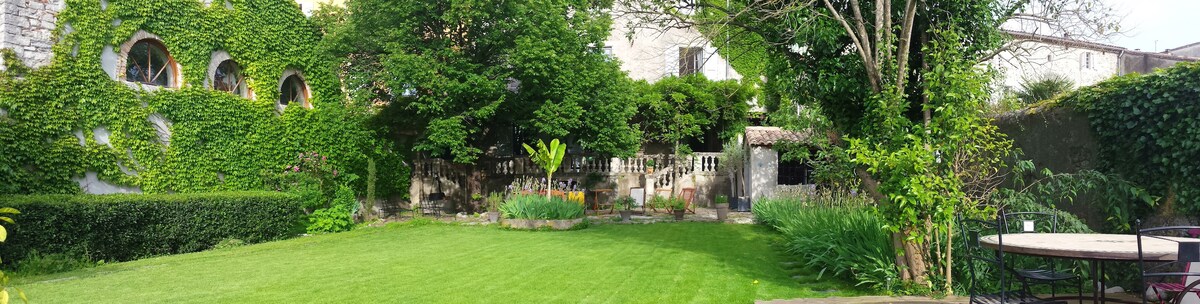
(1188, 253)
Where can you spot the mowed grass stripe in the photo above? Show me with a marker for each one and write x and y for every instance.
(658, 263)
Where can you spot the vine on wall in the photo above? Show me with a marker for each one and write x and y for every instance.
(218, 141)
(1148, 128)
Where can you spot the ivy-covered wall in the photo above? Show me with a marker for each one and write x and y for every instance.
(217, 141)
(1148, 129)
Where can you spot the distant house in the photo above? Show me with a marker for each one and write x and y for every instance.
(1084, 62)
(652, 53)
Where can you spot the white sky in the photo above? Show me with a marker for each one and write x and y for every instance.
(1172, 23)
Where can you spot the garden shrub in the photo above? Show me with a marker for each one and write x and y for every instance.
(125, 227)
(537, 207)
(38, 264)
(837, 234)
(338, 217)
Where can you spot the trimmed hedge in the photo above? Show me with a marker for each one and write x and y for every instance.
(130, 226)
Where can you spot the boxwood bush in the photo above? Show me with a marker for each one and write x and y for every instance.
(130, 226)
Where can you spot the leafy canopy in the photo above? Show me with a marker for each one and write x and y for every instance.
(461, 73)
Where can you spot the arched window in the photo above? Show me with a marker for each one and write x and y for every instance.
(228, 77)
(149, 63)
(293, 91)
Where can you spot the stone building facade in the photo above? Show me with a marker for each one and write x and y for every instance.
(650, 53)
(27, 28)
(1085, 63)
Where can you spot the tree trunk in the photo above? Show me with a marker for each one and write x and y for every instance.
(475, 178)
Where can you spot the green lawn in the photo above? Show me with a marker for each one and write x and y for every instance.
(659, 263)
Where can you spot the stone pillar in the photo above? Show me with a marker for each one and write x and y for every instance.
(27, 27)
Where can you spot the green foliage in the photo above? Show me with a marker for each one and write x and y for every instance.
(536, 207)
(1146, 127)
(678, 109)
(1120, 201)
(624, 202)
(530, 65)
(915, 162)
(837, 234)
(1043, 88)
(6, 213)
(667, 203)
(218, 141)
(549, 158)
(338, 216)
(333, 219)
(720, 199)
(126, 227)
(228, 243)
(494, 200)
(13, 67)
(40, 264)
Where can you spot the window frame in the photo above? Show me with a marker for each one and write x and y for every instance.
(691, 57)
(215, 62)
(305, 90)
(170, 66)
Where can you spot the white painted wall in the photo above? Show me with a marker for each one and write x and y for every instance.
(762, 172)
(653, 53)
(1036, 58)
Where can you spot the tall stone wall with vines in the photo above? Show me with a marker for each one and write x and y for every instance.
(64, 120)
(1148, 130)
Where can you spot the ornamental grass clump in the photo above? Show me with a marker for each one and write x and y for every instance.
(837, 234)
(536, 207)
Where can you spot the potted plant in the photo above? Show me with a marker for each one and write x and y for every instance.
(677, 206)
(493, 207)
(650, 166)
(733, 161)
(626, 205)
(721, 203)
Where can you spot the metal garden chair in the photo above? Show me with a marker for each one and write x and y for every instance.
(1034, 222)
(1187, 254)
(976, 254)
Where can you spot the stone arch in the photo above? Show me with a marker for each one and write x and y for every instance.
(174, 70)
(302, 94)
(219, 57)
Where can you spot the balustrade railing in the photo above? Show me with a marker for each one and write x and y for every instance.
(697, 163)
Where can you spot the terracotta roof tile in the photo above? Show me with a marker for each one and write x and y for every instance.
(766, 136)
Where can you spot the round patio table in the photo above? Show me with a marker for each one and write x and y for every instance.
(1096, 248)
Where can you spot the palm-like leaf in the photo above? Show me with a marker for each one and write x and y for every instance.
(549, 158)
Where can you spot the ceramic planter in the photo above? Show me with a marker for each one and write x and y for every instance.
(626, 215)
(722, 211)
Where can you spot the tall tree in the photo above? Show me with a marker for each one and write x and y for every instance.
(458, 73)
(897, 81)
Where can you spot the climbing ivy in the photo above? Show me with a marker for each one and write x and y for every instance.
(1148, 129)
(217, 141)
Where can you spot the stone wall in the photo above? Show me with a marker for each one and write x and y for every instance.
(27, 27)
(699, 171)
(1061, 140)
